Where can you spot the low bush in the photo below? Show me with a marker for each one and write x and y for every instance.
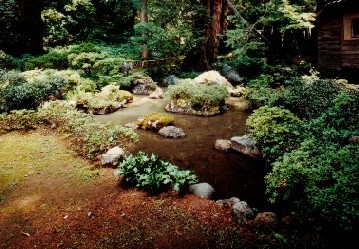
(308, 141)
(275, 131)
(109, 66)
(152, 174)
(57, 58)
(29, 89)
(19, 120)
(7, 61)
(124, 82)
(52, 60)
(310, 98)
(85, 61)
(262, 96)
(89, 137)
(319, 183)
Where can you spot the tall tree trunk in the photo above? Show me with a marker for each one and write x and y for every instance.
(31, 27)
(214, 25)
(144, 19)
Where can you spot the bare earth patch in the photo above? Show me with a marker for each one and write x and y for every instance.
(50, 198)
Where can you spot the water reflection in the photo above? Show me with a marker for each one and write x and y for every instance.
(230, 173)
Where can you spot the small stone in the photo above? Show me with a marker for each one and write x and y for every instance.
(244, 144)
(171, 132)
(222, 144)
(131, 125)
(112, 156)
(203, 190)
(89, 214)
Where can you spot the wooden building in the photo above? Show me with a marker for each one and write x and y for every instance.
(338, 34)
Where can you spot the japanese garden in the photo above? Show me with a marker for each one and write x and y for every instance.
(179, 124)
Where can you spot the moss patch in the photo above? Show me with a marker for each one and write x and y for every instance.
(25, 155)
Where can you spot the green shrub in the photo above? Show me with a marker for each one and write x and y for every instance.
(262, 81)
(7, 61)
(19, 120)
(188, 75)
(152, 174)
(76, 83)
(58, 58)
(29, 89)
(109, 66)
(89, 137)
(156, 121)
(53, 60)
(310, 99)
(319, 182)
(85, 61)
(263, 96)
(124, 82)
(199, 97)
(275, 131)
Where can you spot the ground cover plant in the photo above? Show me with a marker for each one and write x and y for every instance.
(152, 174)
(89, 137)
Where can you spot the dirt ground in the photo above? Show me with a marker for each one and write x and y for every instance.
(50, 198)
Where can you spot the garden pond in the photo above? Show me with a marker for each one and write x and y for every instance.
(230, 173)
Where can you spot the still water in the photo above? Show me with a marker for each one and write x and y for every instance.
(230, 173)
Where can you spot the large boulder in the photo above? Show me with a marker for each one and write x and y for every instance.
(240, 210)
(171, 132)
(266, 220)
(126, 68)
(112, 157)
(170, 81)
(203, 190)
(156, 94)
(231, 75)
(244, 144)
(143, 86)
(213, 78)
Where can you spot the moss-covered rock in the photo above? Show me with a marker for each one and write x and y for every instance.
(110, 99)
(189, 97)
(155, 121)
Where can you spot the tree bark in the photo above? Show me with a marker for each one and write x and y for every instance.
(213, 25)
(144, 19)
(31, 27)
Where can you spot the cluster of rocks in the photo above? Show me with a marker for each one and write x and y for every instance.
(241, 212)
(243, 144)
